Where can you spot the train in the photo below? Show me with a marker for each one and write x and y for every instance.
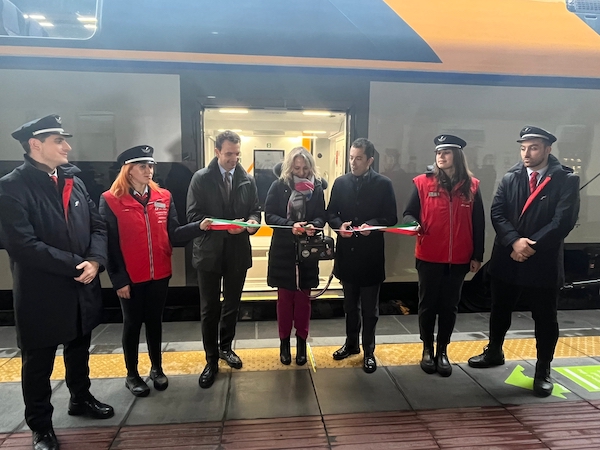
(318, 73)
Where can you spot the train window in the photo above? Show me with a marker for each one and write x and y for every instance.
(64, 19)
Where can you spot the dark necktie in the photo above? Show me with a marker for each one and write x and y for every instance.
(227, 185)
(533, 182)
(142, 198)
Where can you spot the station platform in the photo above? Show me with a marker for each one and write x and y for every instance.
(334, 405)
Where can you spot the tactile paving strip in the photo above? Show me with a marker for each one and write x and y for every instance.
(266, 359)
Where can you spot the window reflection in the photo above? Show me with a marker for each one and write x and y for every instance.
(66, 19)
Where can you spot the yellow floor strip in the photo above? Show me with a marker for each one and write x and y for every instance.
(264, 359)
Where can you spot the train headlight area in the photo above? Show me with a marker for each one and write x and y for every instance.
(334, 405)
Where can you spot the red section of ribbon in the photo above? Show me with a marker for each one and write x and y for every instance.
(66, 196)
(224, 226)
(534, 194)
(404, 231)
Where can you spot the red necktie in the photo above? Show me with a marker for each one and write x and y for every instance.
(55, 179)
(533, 181)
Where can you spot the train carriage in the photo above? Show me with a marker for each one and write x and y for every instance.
(317, 73)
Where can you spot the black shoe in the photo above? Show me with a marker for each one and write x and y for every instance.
(137, 386)
(285, 354)
(208, 375)
(90, 407)
(369, 363)
(444, 368)
(344, 352)
(45, 441)
(300, 351)
(161, 382)
(489, 358)
(542, 385)
(428, 361)
(231, 358)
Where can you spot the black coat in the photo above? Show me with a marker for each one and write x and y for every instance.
(360, 259)
(283, 251)
(548, 220)
(44, 250)
(204, 200)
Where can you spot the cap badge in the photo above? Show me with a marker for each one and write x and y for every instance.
(146, 149)
(58, 120)
(442, 138)
(526, 130)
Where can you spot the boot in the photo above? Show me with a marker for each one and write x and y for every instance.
(542, 385)
(300, 351)
(444, 368)
(285, 355)
(428, 361)
(492, 356)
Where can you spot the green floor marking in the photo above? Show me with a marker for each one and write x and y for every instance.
(519, 379)
(588, 377)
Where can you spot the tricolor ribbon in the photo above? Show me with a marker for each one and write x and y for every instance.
(409, 229)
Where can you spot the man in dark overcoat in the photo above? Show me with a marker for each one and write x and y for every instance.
(360, 199)
(56, 241)
(222, 190)
(534, 209)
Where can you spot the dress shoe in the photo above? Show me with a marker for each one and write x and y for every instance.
(285, 354)
(90, 407)
(369, 363)
(444, 368)
(489, 358)
(428, 361)
(161, 382)
(300, 351)
(542, 385)
(45, 440)
(137, 386)
(231, 358)
(344, 352)
(208, 375)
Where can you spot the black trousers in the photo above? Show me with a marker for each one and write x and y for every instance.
(440, 286)
(544, 303)
(361, 302)
(146, 306)
(37, 365)
(219, 319)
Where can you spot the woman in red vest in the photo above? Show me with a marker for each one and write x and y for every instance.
(446, 203)
(142, 223)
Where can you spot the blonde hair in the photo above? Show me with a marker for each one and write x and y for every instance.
(288, 164)
(121, 185)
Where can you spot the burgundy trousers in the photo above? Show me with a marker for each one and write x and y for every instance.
(293, 309)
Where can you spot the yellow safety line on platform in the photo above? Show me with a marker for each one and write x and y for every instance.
(192, 362)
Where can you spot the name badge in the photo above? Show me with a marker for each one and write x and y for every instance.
(159, 205)
(434, 194)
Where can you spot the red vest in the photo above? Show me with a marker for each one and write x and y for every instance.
(143, 234)
(447, 223)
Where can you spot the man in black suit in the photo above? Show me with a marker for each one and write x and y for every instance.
(534, 209)
(56, 241)
(360, 199)
(222, 190)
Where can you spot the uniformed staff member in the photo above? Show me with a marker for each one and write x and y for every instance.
(534, 209)
(360, 199)
(142, 222)
(447, 204)
(56, 241)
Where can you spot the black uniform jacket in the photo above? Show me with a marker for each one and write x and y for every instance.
(205, 199)
(360, 259)
(44, 250)
(283, 250)
(548, 220)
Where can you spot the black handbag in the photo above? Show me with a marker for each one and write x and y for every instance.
(315, 248)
